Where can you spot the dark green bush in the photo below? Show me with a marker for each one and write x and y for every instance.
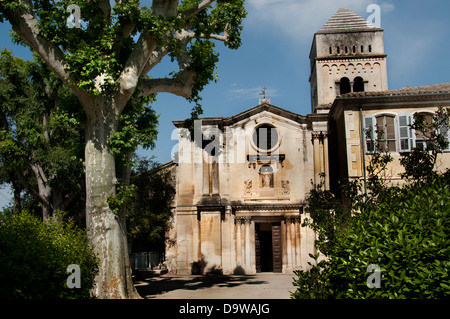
(405, 233)
(34, 257)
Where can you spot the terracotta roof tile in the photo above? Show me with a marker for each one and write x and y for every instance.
(427, 89)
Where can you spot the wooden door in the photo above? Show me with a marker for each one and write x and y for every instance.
(276, 248)
(257, 248)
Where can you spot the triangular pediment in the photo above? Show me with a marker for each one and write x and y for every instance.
(264, 107)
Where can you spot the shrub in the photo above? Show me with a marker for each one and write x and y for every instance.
(34, 256)
(405, 233)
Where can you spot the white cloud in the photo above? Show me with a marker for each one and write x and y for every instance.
(251, 93)
(298, 20)
(387, 7)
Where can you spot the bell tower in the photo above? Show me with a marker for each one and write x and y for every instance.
(347, 55)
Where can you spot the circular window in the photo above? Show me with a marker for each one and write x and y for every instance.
(265, 137)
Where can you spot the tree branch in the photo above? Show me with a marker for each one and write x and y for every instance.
(29, 188)
(140, 56)
(134, 66)
(181, 87)
(223, 38)
(25, 24)
(157, 55)
(193, 11)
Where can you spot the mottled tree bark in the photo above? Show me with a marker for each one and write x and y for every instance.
(106, 230)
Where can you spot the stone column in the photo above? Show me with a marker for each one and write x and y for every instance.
(252, 248)
(247, 245)
(315, 140)
(288, 244)
(227, 242)
(303, 247)
(297, 243)
(215, 176)
(242, 251)
(238, 244)
(206, 173)
(293, 244)
(320, 145)
(325, 161)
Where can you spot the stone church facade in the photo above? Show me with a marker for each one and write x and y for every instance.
(242, 181)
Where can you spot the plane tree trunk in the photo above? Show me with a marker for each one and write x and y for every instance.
(106, 230)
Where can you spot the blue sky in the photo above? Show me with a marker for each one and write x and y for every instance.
(275, 50)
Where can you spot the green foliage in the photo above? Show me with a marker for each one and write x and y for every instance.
(153, 205)
(328, 216)
(108, 35)
(34, 257)
(137, 126)
(40, 127)
(420, 163)
(146, 204)
(405, 233)
(42, 124)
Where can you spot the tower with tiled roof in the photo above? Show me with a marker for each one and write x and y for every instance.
(347, 55)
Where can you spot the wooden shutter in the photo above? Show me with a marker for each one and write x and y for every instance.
(369, 133)
(445, 131)
(404, 132)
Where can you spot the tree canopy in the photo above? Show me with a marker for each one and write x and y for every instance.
(106, 63)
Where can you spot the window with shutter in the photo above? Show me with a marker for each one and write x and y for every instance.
(386, 133)
(405, 132)
(445, 131)
(369, 131)
(421, 138)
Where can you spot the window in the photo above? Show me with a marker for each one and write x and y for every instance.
(445, 131)
(346, 50)
(354, 49)
(380, 133)
(358, 84)
(370, 48)
(362, 49)
(266, 176)
(338, 50)
(331, 50)
(265, 137)
(344, 86)
(420, 136)
(369, 136)
(386, 133)
(405, 132)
